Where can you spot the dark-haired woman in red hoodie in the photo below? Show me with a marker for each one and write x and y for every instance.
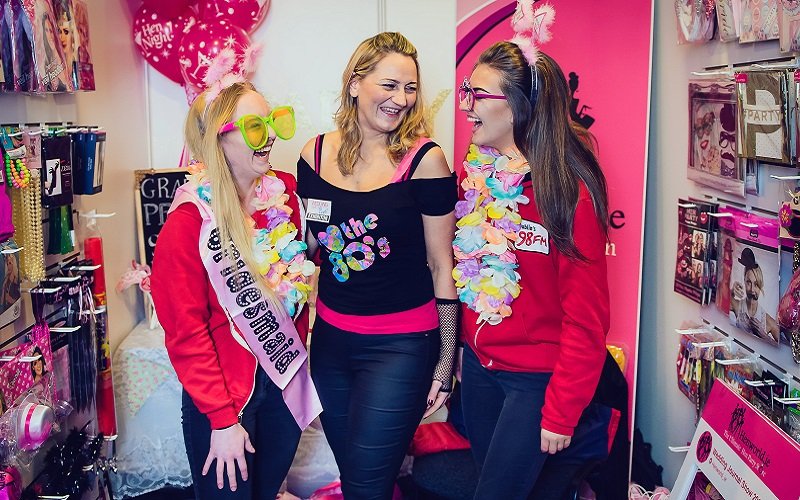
(531, 273)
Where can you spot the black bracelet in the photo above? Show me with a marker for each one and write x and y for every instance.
(447, 301)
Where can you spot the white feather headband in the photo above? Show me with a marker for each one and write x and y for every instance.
(220, 74)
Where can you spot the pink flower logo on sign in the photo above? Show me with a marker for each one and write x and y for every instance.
(704, 447)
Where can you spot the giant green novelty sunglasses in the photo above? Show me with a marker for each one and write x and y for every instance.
(255, 129)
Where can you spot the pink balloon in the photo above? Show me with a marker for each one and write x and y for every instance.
(191, 93)
(203, 42)
(167, 8)
(246, 14)
(158, 39)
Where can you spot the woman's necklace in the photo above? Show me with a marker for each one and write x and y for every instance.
(17, 172)
(488, 223)
(281, 259)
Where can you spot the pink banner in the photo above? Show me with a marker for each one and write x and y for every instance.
(604, 50)
(740, 451)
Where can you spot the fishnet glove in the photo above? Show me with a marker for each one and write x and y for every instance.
(449, 315)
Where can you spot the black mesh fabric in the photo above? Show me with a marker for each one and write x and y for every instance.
(449, 313)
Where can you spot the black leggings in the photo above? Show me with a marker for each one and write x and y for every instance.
(503, 415)
(373, 390)
(273, 433)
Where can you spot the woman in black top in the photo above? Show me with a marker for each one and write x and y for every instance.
(379, 200)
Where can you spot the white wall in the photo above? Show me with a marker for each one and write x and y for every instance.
(665, 416)
(306, 47)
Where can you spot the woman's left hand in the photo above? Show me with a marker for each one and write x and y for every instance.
(436, 398)
(553, 443)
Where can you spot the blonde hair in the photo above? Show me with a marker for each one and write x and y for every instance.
(202, 139)
(363, 61)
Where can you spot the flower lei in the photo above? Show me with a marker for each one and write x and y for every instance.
(280, 258)
(488, 223)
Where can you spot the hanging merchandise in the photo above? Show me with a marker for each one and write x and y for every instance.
(795, 131)
(88, 160)
(789, 216)
(789, 307)
(696, 364)
(713, 119)
(83, 51)
(17, 174)
(95, 320)
(6, 218)
(67, 467)
(10, 295)
(759, 21)
(6, 47)
(791, 415)
(52, 74)
(789, 25)
(82, 346)
(729, 13)
(755, 277)
(32, 139)
(764, 395)
(106, 413)
(57, 192)
(706, 356)
(789, 316)
(67, 36)
(33, 420)
(696, 259)
(23, 54)
(764, 108)
(93, 250)
(27, 216)
(29, 365)
(737, 370)
(14, 168)
(695, 20)
(78, 139)
(726, 241)
(61, 233)
(752, 180)
(61, 374)
(11, 481)
(57, 170)
(39, 63)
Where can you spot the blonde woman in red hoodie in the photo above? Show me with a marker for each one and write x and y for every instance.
(531, 273)
(227, 308)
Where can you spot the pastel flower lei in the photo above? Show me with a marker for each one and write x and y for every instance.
(488, 223)
(281, 259)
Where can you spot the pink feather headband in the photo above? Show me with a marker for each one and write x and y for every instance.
(220, 74)
(532, 28)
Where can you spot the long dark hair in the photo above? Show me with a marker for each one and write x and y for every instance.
(560, 152)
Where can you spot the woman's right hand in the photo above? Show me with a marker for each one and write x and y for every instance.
(228, 446)
(738, 291)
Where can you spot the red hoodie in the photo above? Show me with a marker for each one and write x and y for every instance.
(559, 321)
(216, 369)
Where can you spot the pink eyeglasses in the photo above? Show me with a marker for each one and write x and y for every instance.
(467, 95)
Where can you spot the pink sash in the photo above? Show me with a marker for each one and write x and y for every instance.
(271, 337)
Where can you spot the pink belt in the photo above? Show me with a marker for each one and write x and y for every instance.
(418, 319)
